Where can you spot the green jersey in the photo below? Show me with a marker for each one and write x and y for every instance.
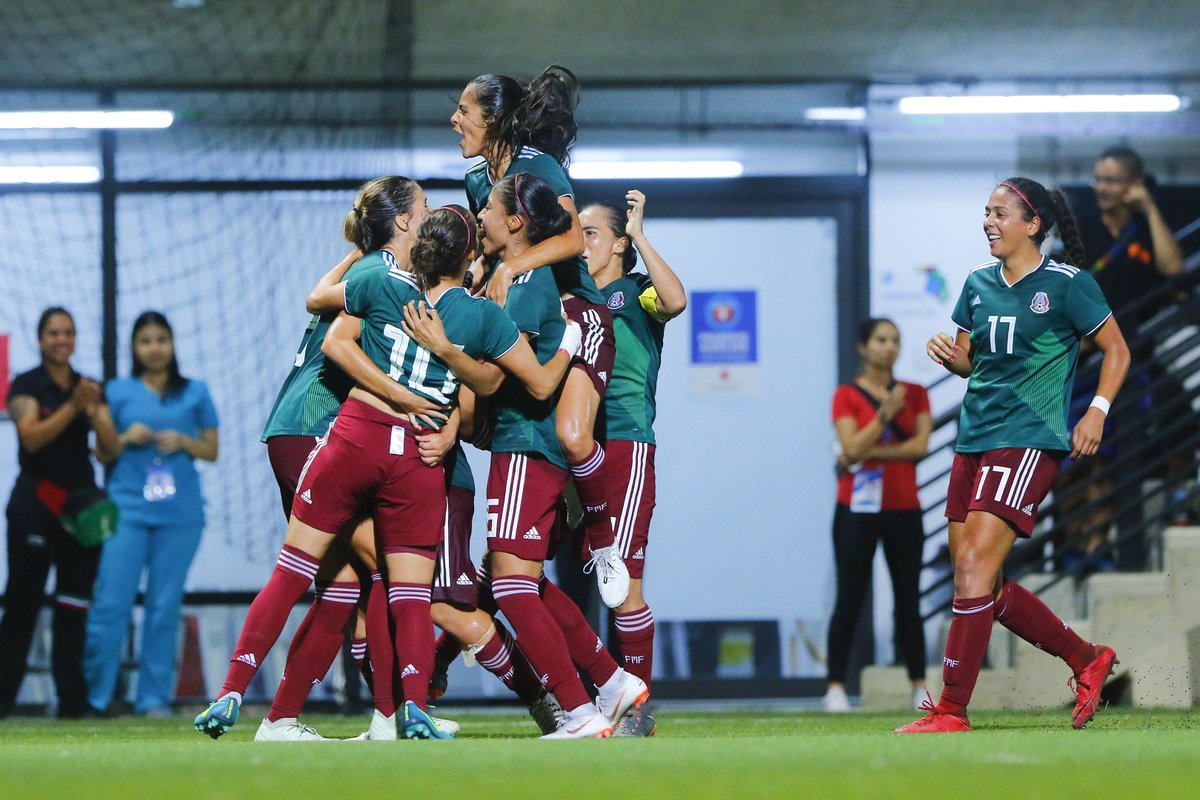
(314, 390)
(521, 424)
(475, 325)
(571, 275)
(629, 403)
(1024, 347)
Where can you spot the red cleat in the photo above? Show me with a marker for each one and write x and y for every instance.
(936, 721)
(1087, 685)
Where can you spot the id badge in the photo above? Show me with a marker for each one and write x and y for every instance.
(866, 497)
(160, 482)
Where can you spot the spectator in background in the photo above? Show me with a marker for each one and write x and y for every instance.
(1128, 247)
(883, 427)
(166, 421)
(1130, 251)
(54, 408)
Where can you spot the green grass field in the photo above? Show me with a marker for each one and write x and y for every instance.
(737, 754)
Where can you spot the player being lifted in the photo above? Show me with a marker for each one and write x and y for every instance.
(1020, 319)
(530, 129)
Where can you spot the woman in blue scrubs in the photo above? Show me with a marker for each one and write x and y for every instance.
(165, 422)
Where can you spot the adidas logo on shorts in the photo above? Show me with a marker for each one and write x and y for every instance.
(1028, 510)
(640, 555)
(532, 533)
(307, 496)
(409, 670)
(463, 580)
(603, 376)
(248, 659)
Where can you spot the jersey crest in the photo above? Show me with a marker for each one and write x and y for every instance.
(1040, 303)
(617, 300)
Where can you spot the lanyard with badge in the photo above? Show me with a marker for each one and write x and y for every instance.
(866, 492)
(160, 481)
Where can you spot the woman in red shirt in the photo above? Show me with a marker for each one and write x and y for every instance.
(883, 428)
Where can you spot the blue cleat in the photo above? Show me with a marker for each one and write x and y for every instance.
(219, 717)
(419, 725)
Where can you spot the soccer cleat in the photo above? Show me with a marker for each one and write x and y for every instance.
(632, 692)
(936, 721)
(1087, 685)
(835, 700)
(547, 713)
(381, 729)
(419, 725)
(638, 722)
(219, 717)
(612, 576)
(287, 730)
(587, 723)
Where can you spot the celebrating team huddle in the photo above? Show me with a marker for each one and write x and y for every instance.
(497, 326)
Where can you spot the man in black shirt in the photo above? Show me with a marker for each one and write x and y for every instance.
(1130, 249)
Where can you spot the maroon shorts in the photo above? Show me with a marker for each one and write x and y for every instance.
(454, 578)
(288, 455)
(1010, 482)
(370, 459)
(599, 346)
(524, 494)
(630, 467)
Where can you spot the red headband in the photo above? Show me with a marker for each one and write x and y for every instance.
(470, 228)
(520, 205)
(1021, 195)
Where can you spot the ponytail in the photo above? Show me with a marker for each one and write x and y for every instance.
(446, 241)
(527, 195)
(369, 225)
(540, 115)
(1068, 229)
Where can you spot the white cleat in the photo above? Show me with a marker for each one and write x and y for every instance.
(612, 576)
(835, 701)
(383, 729)
(585, 723)
(287, 730)
(547, 713)
(627, 690)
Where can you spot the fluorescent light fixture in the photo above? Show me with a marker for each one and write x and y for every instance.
(1041, 104)
(30, 120)
(49, 174)
(836, 114)
(635, 170)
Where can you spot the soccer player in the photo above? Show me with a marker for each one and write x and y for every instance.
(641, 304)
(528, 475)
(1020, 319)
(387, 209)
(370, 456)
(529, 129)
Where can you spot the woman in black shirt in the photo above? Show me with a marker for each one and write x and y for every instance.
(54, 408)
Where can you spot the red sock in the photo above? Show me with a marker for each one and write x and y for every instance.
(414, 638)
(358, 650)
(525, 679)
(587, 651)
(294, 573)
(380, 647)
(308, 663)
(496, 658)
(541, 639)
(1020, 610)
(966, 646)
(592, 485)
(635, 632)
